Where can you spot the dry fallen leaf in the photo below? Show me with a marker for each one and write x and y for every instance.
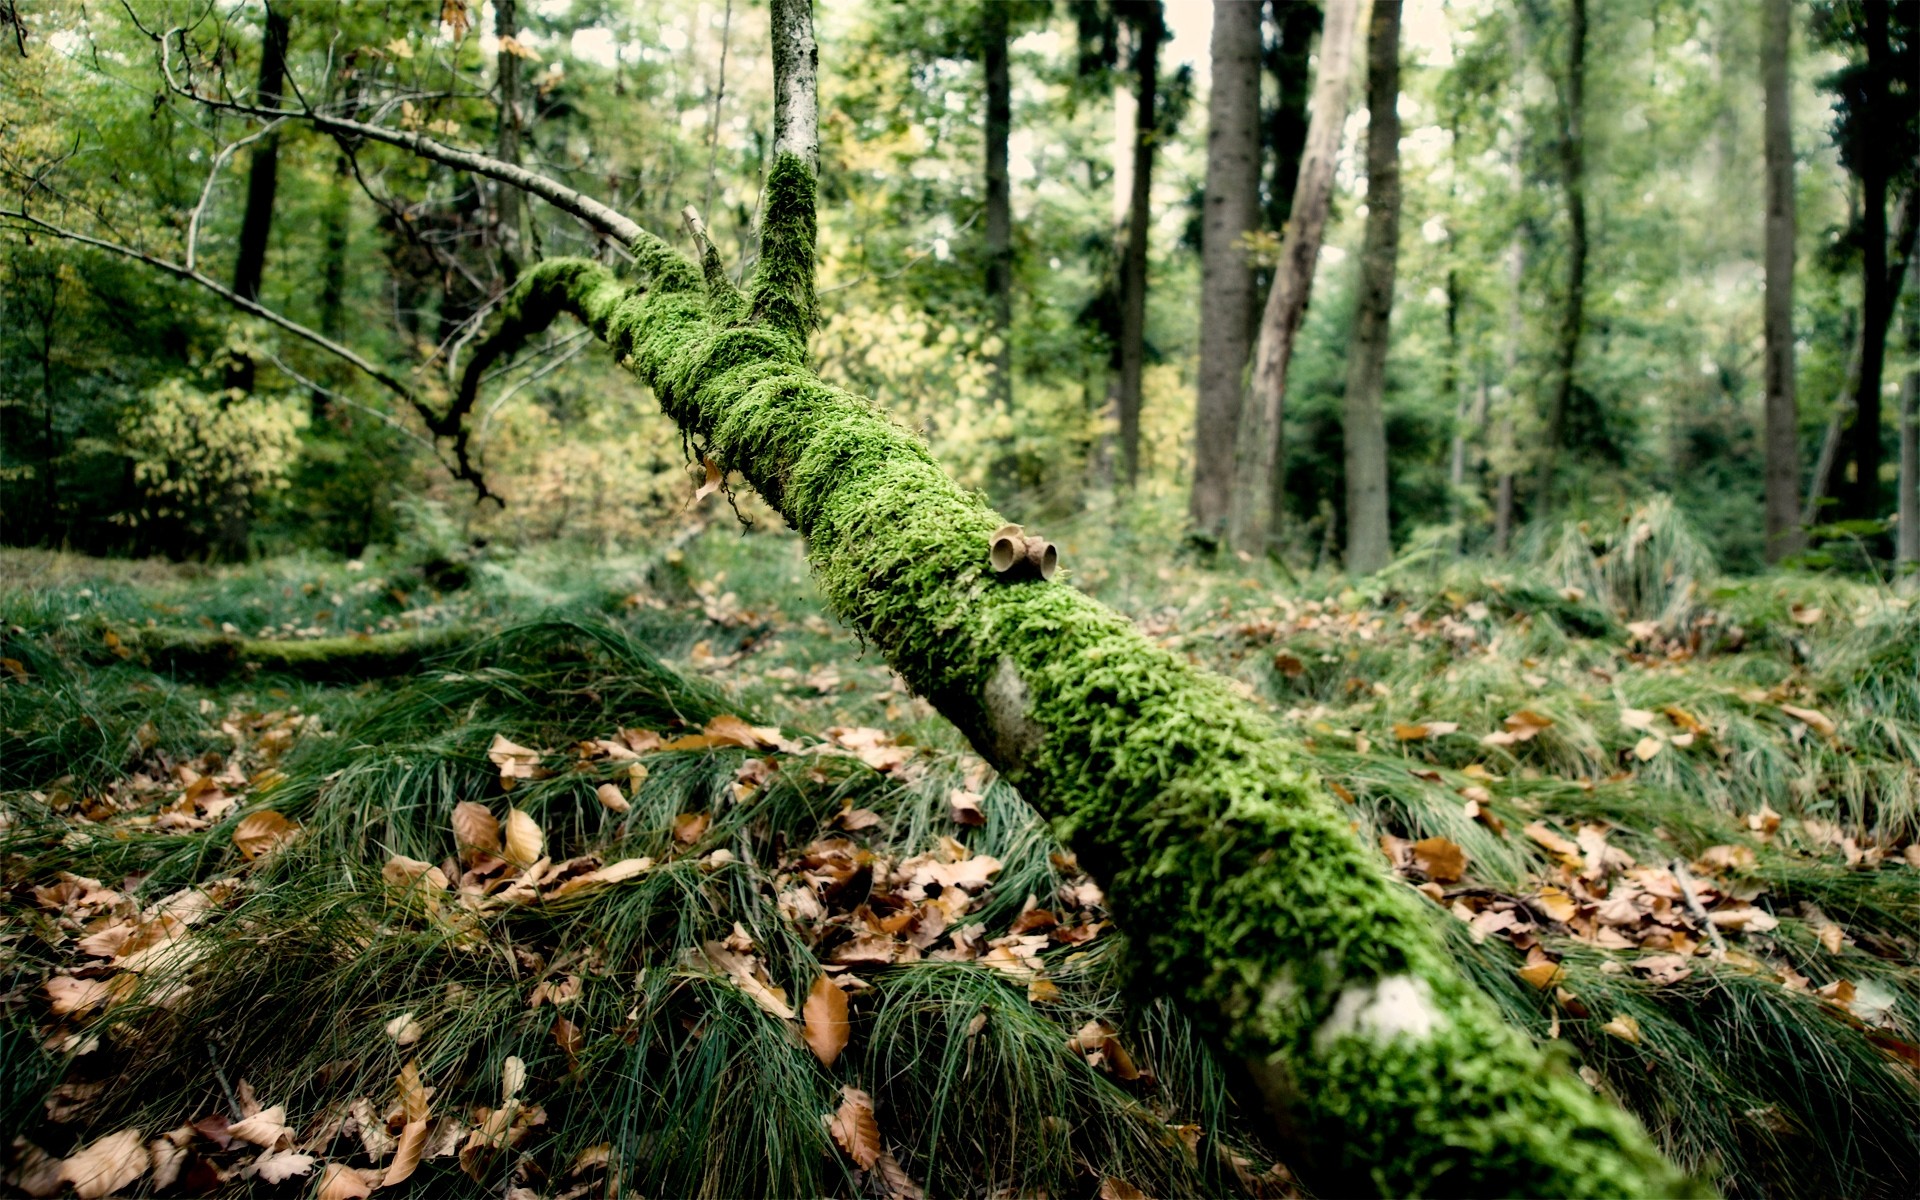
(261, 832)
(964, 807)
(825, 1017)
(516, 762)
(266, 1128)
(1813, 718)
(72, 997)
(1626, 1028)
(475, 828)
(413, 1093)
(105, 1166)
(1114, 1188)
(1556, 904)
(611, 797)
(853, 1128)
(1442, 860)
(1647, 747)
(715, 477)
(524, 841)
(1543, 974)
(342, 1183)
(404, 1029)
(282, 1165)
(689, 828)
(406, 1159)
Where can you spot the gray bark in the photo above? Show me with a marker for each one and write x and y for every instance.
(512, 212)
(1369, 533)
(993, 54)
(1226, 277)
(1133, 262)
(796, 67)
(1254, 515)
(1782, 420)
(1573, 317)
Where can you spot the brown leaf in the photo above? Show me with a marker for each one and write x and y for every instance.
(266, 1128)
(413, 1093)
(715, 477)
(568, 1037)
(406, 1159)
(70, 997)
(516, 762)
(1556, 904)
(853, 1128)
(899, 1184)
(1813, 718)
(453, 13)
(611, 798)
(1440, 859)
(1647, 747)
(278, 1166)
(1114, 1188)
(475, 830)
(689, 828)
(964, 807)
(825, 1017)
(107, 1165)
(261, 832)
(1624, 1027)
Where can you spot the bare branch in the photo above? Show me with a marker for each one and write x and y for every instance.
(206, 189)
(796, 68)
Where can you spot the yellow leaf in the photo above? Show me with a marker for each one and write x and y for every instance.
(342, 1183)
(825, 1017)
(524, 840)
(400, 48)
(413, 1093)
(1442, 860)
(689, 828)
(1832, 938)
(1813, 718)
(1542, 975)
(853, 1128)
(513, 46)
(1626, 1028)
(1556, 904)
(261, 832)
(107, 1165)
(1647, 747)
(611, 798)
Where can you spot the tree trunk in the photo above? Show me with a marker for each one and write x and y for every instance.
(1254, 514)
(993, 54)
(1828, 471)
(1573, 169)
(1296, 23)
(1226, 277)
(509, 210)
(1148, 29)
(264, 173)
(1783, 420)
(1907, 542)
(1860, 495)
(1369, 531)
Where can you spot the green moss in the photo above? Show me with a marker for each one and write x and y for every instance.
(1249, 902)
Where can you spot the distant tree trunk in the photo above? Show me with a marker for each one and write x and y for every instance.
(510, 208)
(993, 53)
(263, 176)
(1369, 531)
(1860, 495)
(1907, 549)
(1573, 168)
(1226, 277)
(1255, 512)
(1133, 264)
(1296, 23)
(1829, 468)
(1782, 432)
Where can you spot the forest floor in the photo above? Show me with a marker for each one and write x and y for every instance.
(637, 875)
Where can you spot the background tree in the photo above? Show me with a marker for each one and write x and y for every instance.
(1226, 275)
(1783, 418)
(1572, 141)
(1369, 535)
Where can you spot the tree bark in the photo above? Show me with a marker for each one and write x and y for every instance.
(1369, 531)
(1907, 540)
(994, 38)
(1148, 30)
(1296, 23)
(264, 173)
(1860, 495)
(1254, 513)
(1573, 170)
(509, 209)
(1226, 277)
(1782, 415)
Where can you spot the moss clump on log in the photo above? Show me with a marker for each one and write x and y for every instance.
(207, 654)
(1248, 900)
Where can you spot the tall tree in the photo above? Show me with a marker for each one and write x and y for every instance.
(264, 172)
(1254, 511)
(1149, 27)
(508, 207)
(994, 38)
(1289, 58)
(1573, 314)
(1782, 420)
(1369, 535)
(1232, 209)
(1907, 509)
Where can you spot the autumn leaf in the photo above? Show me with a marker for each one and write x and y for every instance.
(1542, 975)
(964, 807)
(1440, 859)
(475, 830)
(689, 828)
(516, 762)
(282, 1165)
(1647, 747)
(413, 1093)
(715, 477)
(70, 997)
(1556, 904)
(1114, 1188)
(404, 1029)
(524, 842)
(342, 1183)
(1813, 718)
(854, 1129)
(266, 1128)
(107, 1165)
(262, 832)
(568, 1037)
(406, 1158)
(453, 14)
(611, 798)
(825, 1018)
(1624, 1027)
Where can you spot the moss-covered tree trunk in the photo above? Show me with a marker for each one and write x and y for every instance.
(1249, 901)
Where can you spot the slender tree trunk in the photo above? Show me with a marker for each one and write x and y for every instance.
(1296, 24)
(1226, 277)
(509, 207)
(1133, 263)
(1829, 466)
(993, 53)
(1255, 514)
(1369, 529)
(1782, 419)
(1573, 168)
(1907, 542)
(264, 174)
(1860, 497)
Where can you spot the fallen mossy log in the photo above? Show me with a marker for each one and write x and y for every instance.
(1248, 901)
(208, 655)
